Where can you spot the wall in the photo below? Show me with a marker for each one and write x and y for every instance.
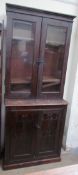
(71, 76)
(72, 137)
(65, 7)
(59, 6)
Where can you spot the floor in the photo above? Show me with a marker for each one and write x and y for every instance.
(68, 158)
(66, 170)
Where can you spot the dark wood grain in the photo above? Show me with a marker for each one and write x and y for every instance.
(34, 107)
(0, 81)
(37, 22)
(0, 61)
(30, 163)
(36, 102)
(33, 136)
(51, 62)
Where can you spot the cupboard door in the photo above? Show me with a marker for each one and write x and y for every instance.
(20, 136)
(51, 127)
(53, 54)
(23, 37)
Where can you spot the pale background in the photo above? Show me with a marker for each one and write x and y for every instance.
(70, 7)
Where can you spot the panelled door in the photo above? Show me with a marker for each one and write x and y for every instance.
(23, 39)
(55, 39)
(50, 128)
(21, 135)
(32, 135)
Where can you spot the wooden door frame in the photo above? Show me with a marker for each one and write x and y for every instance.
(68, 27)
(21, 17)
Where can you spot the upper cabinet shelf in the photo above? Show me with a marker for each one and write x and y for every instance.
(22, 38)
(36, 52)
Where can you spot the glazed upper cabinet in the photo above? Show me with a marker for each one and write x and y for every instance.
(37, 51)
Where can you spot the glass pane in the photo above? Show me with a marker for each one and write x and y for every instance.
(22, 56)
(53, 59)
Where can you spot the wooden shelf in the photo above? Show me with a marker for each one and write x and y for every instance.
(34, 102)
(22, 91)
(50, 82)
(20, 81)
(54, 44)
(45, 80)
(22, 38)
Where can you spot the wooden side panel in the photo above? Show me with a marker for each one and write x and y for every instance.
(1, 37)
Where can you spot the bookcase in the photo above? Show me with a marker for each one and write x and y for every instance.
(37, 47)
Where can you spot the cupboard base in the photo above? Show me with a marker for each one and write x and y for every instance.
(32, 163)
(33, 134)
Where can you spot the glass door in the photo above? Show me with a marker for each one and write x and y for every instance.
(23, 56)
(54, 43)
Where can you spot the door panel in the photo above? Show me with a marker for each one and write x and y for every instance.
(32, 135)
(23, 39)
(53, 55)
(21, 135)
(49, 138)
(22, 56)
(53, 58)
